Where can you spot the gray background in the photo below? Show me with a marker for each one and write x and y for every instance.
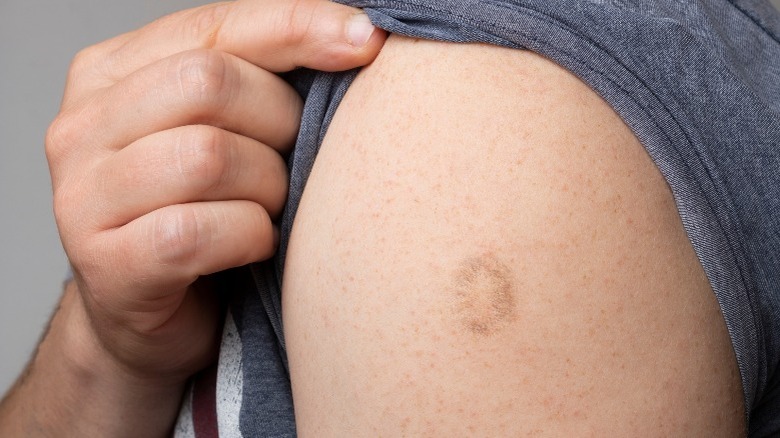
(37, 40)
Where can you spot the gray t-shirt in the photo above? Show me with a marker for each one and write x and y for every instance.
(697, 81)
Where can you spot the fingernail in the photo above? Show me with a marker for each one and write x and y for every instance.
(359, 29)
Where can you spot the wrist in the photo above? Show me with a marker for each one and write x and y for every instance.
(97, 374)
(73, 386)
(86, 356)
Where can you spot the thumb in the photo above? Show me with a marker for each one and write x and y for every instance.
(276, 35)
(280, 35)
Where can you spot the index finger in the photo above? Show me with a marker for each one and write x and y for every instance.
(277, 35)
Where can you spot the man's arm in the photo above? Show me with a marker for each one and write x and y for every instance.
(166, 167)
(485, 249)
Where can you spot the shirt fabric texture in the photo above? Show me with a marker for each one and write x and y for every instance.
(697, 81)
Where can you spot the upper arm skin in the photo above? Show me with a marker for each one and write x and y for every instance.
(484, 249)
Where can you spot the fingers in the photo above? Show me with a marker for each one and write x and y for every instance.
(195, 87)
(163, 252)
(182, 165)
(276, 35)
(301, 33)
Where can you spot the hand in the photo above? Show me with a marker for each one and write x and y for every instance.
(166, 166)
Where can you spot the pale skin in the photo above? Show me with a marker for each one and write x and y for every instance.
(483, 247)
(495, 254)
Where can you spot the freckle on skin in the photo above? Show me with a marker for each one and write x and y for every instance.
(483, 295)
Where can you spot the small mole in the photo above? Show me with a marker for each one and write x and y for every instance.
(483, 291)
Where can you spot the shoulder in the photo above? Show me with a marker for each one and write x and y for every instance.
(484, 245)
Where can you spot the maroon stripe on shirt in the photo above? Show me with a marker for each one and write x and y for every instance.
(204, 404)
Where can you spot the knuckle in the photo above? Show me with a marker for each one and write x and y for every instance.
(204, 79)
(83, 61)
(102, 64)
(63, 133)
(203, 158)
(176, 237)
(93, 64)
